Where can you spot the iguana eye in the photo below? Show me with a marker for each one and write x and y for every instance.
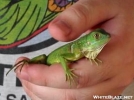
(97, 36)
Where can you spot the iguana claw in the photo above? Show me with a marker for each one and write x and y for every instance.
(19, 64)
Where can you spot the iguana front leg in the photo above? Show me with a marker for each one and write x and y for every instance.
(64, 59)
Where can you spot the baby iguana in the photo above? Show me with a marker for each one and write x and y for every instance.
(88, 46)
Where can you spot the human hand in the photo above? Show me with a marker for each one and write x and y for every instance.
(109, 78)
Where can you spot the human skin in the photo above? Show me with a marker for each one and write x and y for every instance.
(109, 78)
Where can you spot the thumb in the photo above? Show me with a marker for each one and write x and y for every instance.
(80, 17)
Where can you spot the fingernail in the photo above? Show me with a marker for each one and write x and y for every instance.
(23, 75)
(63, 26)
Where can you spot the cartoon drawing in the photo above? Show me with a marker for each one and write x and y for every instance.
(20, 20)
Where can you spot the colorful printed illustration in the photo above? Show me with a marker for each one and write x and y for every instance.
(23, 30)
(21, 20)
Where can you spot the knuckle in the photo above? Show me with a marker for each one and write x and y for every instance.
(81, 12)
(125, 82)
(84, 80)
(68, 95)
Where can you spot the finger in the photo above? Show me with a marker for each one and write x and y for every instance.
(42, 74)
(31, 94)
(83, 15)
(105, 88)
(45, 93)
(54, 75)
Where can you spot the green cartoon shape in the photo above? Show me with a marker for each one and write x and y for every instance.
(20, 19)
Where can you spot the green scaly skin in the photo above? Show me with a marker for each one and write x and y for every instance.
(88, 46)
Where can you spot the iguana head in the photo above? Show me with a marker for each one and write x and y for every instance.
(97, 39)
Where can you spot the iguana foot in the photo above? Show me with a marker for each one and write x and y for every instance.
(17, 65)
(70, 76)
